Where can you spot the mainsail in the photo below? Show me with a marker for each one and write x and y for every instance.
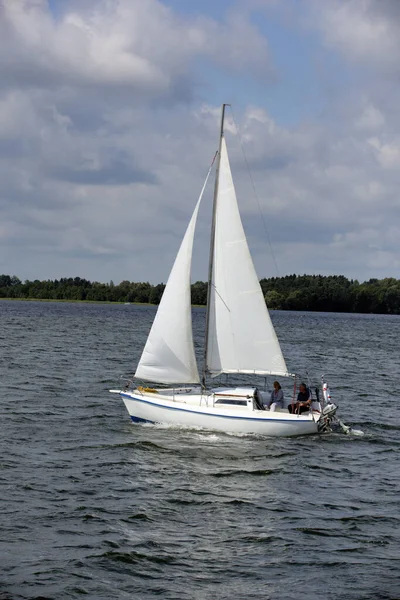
(240, 336)
(168, 356)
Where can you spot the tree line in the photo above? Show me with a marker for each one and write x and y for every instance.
(328, 293)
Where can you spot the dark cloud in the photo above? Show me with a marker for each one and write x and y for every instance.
(115, 173)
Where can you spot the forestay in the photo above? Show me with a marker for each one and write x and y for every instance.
(241, 337)
(168, 356)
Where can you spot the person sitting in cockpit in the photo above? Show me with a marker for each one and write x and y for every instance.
(276, 400)
(303, 401)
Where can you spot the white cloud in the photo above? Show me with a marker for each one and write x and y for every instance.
(371, 118)
(144, 46)
(388, 154)
(86, 151)
(104, 145)
(365, 31)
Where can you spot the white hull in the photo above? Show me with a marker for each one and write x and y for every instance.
(199, 411)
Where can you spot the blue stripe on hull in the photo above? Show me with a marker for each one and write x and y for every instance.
(139, 420)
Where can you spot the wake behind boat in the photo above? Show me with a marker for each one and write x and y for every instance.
(240, 338)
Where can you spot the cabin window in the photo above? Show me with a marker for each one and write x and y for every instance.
(234, 402)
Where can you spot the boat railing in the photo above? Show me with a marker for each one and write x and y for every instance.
(125, 382)
(175, 392)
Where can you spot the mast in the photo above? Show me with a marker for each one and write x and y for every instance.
(212, 242)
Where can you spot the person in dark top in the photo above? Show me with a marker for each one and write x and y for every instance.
(303, 401)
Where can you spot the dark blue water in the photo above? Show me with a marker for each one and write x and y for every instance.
(93, 506)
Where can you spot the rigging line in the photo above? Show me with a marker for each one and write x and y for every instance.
(215, 156)
(256, 195)
(220, 297)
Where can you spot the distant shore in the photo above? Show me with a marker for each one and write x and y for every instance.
(76, 301)
(64, 300)
(313, 293)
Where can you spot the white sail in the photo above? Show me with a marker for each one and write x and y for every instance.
(241, 337)
(168, 356)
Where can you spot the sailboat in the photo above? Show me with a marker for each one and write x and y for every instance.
(239, 340)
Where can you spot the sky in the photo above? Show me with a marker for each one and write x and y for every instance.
(109, 120)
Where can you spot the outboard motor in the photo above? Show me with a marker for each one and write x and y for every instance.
(328, 415)
(329, 410)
